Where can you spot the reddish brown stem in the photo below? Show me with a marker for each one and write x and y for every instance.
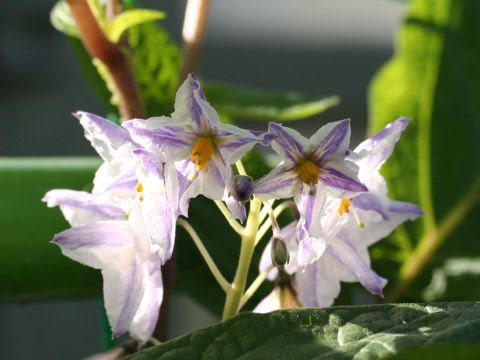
(193, 30)
(113, 56)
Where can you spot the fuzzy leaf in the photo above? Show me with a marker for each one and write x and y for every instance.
(359, 332)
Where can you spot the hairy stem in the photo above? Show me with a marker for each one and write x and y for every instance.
(232, 302)
(115, 58)
(196, 14)
(432, 240)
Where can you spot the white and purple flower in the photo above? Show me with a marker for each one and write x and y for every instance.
(346, 240)
(125, 227)
(202, 148)
(311, 169)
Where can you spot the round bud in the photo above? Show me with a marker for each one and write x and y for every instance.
(241, 188)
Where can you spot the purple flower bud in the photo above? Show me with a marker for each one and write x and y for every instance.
(241, 188)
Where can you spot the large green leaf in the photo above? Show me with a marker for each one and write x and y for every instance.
(30, 267)
(359, 332)
(261, 105)
(435, 79)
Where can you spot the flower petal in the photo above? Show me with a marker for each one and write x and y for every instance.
(123, 289)
(146, 316)
(234, 142)
(105, 136)
(339, 180)
(96, 244)
(170, 142)
(331, 140)
(344, 251)
(80, 208)
(191, 107)
(270, 303)
(374, 151)
(288, 143)
(278, 183)
(317, 284)
(237, 210)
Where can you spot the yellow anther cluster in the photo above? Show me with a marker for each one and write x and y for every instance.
(309, 172)
(201, 152)
(344, 207)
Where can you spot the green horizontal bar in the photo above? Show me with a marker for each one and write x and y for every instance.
(31, 268)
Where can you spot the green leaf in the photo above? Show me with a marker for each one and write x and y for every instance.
(156, 60)
(440, 352)
(260, 105)
(360, 332)
(129, 18)
(62, 20)
(40, 270)
(434, 78)
(457, 279)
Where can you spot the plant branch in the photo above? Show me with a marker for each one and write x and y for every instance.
(115, 58)
(254, 286)
(194, 22)
(224, 284)
(235, 293)
(226, 213)
(432, 240)
(268, 223)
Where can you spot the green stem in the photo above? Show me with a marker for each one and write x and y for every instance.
(268, 223)
(208, 259)
(235, 293)
(233, 223)
(432, 240)
(254, 286)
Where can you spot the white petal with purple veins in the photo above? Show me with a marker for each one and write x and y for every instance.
(374, 151)
(80, 208)
(146, 316)
(96, 244)
(348, 255)
(288, 143)
(339, 180)
(278, 183)
(105, 136)
(331, 140)
(317, 285)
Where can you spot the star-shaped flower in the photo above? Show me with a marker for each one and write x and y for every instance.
(311, 169)
(202, 148)
(346, 255)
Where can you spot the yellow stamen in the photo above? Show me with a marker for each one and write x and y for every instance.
(139, 189)
(344, 206)
(309, 173)
(201, 152)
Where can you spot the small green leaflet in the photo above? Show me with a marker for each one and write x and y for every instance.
(62, 20)
(129, 18)
(261, 105)
(347, 332)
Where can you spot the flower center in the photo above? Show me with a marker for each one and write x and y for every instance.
(309, 173)
(201, 152)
